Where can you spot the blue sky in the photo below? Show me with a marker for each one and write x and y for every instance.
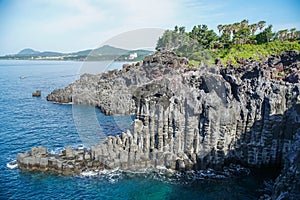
(72, 25)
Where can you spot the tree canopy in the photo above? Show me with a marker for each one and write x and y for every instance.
(202, 43)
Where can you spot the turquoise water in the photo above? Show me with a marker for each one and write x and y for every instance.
(26, 122)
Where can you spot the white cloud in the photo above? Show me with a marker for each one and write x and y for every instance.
(83, 14)
(99, 21)
(71, 25)
(123, 14)
(149, 13)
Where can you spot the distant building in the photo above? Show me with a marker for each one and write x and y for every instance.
(132, 56)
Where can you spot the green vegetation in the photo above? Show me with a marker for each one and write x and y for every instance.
(234, 42)
(254, 51)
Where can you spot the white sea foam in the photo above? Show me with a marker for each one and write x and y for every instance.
(57, 150)
(81, 146)
(111, 176)
(167, 175)
(111, 171)
(70, 103)
(161, 168)
(89, 173)
(12, 165)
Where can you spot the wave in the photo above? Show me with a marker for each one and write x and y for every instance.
(70, 103)
(111, 176)
(12, 165)
(57, 150)
(89, 173)
(170, 176)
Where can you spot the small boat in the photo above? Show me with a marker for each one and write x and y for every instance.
(37, 93)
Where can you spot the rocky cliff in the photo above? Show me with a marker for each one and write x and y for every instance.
(194, 118)
(112, 91)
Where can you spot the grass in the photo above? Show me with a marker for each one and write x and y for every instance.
(234, 53)
(194, 63)
(256, 52)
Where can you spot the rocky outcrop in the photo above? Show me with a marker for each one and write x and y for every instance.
(37, 93)
(112, 91)
(69, 162)
(195, 118)
(287, 184)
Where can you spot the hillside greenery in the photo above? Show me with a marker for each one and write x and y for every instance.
(232, 43)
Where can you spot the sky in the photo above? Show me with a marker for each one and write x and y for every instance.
(73, 25)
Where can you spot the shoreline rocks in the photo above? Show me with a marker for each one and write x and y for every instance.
(69, 162)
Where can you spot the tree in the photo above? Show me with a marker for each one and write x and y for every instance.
(203, 44)
(244, 23)
(235, 27)
(224, 38)
(265, 36)
(220, 28)
(176, 29)
(253, 28)
(284, 34)
(297, 35)
(167, 41)
(280, 35)
(203, 36)
(261, 24)
(293, 31)
(182, 30)
(242, 36)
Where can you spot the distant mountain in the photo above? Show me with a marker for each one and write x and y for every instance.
(32, 53)
(105, 52)
(28, 52)
(82, 53)
(109, 50)
(101, 51)
(49, 54)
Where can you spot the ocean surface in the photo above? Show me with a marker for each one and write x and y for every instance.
(26, 122)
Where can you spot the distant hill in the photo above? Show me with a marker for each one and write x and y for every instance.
(32, 53)
(49, 54)
(101, 51)
(105, 52)
(82, 53)
(28, 51)
(109, 50)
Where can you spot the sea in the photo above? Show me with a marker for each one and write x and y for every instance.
(27, 121)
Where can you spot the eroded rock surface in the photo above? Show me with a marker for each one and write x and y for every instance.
(112, 91)
(69, 162)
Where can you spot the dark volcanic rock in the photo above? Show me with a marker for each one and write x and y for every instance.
(290, 57)
(112, 91)
(68, 163)
(195, 118)
(287, 184)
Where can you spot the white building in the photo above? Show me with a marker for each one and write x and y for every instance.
(132, 56)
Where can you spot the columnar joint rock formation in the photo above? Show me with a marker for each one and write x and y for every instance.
(191, 118)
